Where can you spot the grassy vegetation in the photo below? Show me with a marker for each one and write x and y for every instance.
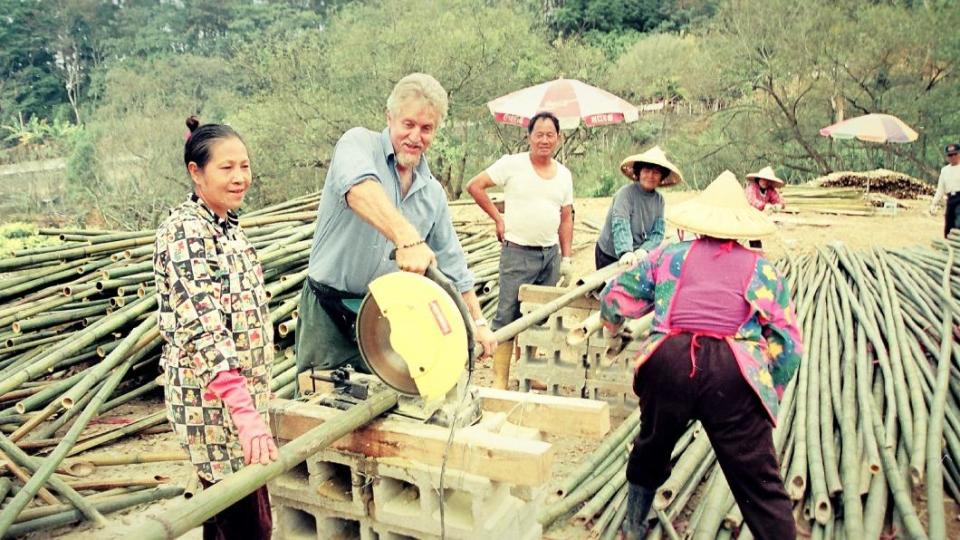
(20, 235)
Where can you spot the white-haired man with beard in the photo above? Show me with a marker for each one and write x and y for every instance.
(379, 196)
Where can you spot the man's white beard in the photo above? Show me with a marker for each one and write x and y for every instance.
(408, 161)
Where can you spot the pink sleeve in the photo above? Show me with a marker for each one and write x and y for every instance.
(752, 191)
(773, 197)
(631, 294)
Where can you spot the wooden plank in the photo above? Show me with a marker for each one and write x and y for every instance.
(551, 414)
(542, 294)
(506, 459)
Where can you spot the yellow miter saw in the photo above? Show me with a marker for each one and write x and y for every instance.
(413, 334)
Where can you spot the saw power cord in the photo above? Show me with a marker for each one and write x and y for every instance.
(446, 452)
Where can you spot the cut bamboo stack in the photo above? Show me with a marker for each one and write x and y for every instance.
(78, 338)
(882, 181)
(854, 193)
(835, 200)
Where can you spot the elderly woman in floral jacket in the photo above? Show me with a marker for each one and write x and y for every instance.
(725, 342)
(215, 323)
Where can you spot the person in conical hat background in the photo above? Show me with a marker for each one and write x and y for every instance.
(761, 190)
(634, 224)
(725, 342)
(762, 194)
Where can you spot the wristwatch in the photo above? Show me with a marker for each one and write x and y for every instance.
(480, 321)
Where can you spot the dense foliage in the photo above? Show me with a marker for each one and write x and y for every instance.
(106, 84)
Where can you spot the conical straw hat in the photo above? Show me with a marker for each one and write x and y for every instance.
(766, 173)
(721, 211)
(655, 156)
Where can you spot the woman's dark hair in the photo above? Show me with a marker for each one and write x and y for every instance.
(637, 165)
(540, 116)
(201, 139)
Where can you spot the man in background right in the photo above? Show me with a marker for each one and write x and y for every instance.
(949, 185)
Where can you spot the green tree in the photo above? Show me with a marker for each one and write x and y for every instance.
(312, 87)
(28, 81)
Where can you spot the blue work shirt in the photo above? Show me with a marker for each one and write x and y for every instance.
(348, 253)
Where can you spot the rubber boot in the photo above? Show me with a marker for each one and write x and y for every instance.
(501, 364)
(639, 501)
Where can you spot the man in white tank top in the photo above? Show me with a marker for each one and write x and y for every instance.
(536, 227)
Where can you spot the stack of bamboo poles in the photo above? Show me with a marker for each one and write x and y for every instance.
(78, 338)
(868, 427)
(892, 183)
(808, 198)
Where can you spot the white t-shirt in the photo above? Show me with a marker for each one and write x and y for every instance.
(531, 204)
(948, 183)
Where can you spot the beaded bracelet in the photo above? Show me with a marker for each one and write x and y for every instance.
(417, 243)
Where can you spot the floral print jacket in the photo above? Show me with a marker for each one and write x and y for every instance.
(767, 345)
(213, 317)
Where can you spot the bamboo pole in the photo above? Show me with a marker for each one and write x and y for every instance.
(212, 500)
(613, 441)
(45, 471)
(107, 505)
(935, 513)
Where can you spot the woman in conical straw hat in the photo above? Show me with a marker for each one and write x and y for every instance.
(634, 223)
(761, 189)
(724, 343)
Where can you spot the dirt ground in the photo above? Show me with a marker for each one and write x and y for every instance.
(910, 226)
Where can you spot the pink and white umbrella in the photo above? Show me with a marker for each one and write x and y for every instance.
(571, 100)
(878, 128)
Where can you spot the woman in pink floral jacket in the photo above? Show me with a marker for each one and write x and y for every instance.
(761, 189)
(725, 342)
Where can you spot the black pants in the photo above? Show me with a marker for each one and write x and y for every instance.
(953, 211)
(601, 259)
(247, 518)
(732, 416)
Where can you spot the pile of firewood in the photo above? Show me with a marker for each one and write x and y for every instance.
(894, 184)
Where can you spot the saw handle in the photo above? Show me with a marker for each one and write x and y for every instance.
(434, 274)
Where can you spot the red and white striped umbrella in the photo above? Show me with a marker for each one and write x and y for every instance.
(571, 100)
(878, 128)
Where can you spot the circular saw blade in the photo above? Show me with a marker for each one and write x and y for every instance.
(373, 336)
(412, 334)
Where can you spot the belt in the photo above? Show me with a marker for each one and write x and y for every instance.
(322, 290)
(529, 248)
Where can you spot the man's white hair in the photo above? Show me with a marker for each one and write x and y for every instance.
(419, 86)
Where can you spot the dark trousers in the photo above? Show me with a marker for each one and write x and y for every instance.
(732, 416)
(952, 216)
(523, 265)
(601, 259)
(248, 518)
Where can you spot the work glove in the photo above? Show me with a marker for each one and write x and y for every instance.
(566, 270)
(631, 258)
(258, 446)
(932, 210)
(628, 259)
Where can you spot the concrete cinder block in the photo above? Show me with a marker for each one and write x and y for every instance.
(618, 368)
(406, 498)
(545, 356)
(335, 481)
(341, 477)
(620, 396)
(549, 338)
(296, 520)
(516, 523)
